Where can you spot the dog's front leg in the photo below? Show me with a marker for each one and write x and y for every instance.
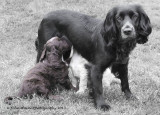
(122, 73)
(96, 80)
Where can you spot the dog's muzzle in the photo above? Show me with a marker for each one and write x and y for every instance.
(127, 31)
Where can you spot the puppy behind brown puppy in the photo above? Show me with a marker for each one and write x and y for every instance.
(50, 71)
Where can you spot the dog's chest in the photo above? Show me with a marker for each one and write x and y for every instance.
(123, 51)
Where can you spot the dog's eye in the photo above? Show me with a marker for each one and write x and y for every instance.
(48, 49)
(118, 18)
(135, 16)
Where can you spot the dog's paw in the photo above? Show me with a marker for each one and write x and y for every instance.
(103, 107)
(130, 96)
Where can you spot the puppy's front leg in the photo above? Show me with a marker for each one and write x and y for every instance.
(83, 82)
(96, 79)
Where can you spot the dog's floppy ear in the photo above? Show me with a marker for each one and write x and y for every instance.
(43, 55)
(109, 30)
(66, 57)
(144, 26)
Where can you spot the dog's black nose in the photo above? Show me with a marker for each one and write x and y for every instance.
(127, 31)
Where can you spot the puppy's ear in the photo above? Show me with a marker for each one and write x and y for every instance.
(66, 57)
(109, 30)
(43, 55)
(144, 26)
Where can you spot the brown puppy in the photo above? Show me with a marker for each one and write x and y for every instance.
(51, 70)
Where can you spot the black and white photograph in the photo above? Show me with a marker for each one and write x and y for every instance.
(80, 57)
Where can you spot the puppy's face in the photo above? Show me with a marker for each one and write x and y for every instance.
(54, 50)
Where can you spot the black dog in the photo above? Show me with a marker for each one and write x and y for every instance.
(103, 43)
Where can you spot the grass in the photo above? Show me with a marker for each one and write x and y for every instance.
(19, 22)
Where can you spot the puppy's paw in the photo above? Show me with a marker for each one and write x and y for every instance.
(11, 99)
(116, 81)
(56, 97)
(8, 100)
(80, 92)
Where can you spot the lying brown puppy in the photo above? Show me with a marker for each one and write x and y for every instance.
(50, 71)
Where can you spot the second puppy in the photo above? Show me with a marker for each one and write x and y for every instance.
(79, 73)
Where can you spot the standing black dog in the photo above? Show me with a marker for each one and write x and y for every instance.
(103, 43)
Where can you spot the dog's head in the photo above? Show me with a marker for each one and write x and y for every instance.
(126, 22)
(56, 50)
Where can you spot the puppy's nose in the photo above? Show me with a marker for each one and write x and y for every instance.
(127, 31)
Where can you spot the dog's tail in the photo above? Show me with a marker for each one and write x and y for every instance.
(9, 100)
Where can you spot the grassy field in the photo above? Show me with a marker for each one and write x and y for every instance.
(19, 20)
